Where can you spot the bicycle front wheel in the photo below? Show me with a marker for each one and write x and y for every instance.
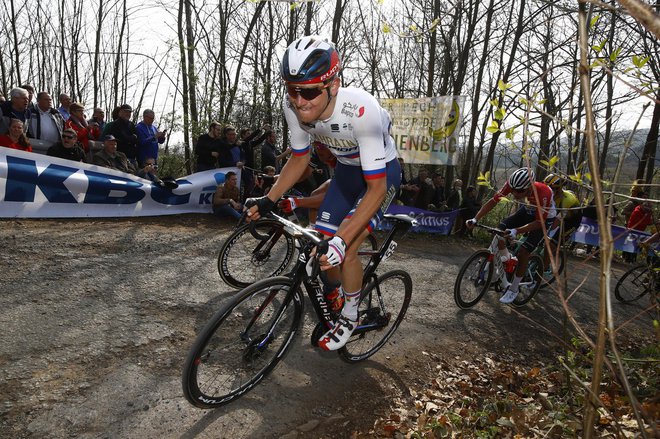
(244, 259)
(633, 284)
(473, 279)
(382, 308)
(242, 343)
(531, 281)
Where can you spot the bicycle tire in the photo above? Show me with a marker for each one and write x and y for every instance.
(244, 259)
(473, 279)
(547, 281)
(242, 343)
(531, 281)
(383, 306)
(634, 284)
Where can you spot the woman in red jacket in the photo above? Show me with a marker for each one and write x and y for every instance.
(15, 138)
(78, 123)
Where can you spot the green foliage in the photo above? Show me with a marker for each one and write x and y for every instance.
(172, 164)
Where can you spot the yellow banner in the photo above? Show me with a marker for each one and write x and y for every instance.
(425, 130)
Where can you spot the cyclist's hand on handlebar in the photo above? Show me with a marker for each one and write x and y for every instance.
(471, 223)
(510, 233)
(332, 252)
(256, 207)
(288, 205)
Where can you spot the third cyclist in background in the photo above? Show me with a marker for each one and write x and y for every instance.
(528, 219)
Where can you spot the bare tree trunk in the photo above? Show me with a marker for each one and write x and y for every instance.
(470, 167)
(17, 50)
(192, 77)
(340, 5)
(647, 163)
(118, 56)
(610, 97)
(97, 48)
(184, 88)
(432, 49)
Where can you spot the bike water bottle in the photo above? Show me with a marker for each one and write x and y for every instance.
(510, 265)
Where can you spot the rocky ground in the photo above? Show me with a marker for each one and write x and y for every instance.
(97, 316)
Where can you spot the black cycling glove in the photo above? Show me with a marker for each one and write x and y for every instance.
(264, 204)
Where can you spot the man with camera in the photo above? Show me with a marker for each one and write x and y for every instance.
(148, 138)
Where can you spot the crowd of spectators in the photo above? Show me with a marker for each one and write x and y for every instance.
(65, 132)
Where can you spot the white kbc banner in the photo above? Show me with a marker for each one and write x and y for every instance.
(38, 186)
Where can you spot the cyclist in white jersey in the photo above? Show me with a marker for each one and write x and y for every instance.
(356, 130)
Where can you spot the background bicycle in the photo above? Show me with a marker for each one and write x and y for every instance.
(245, 340)
(484, 269)
(640, 280)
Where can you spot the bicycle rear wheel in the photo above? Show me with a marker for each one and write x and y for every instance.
(531, 281)
(244, 259)
(382, 308)
(242, 343)
(473, 279)
(633, 284)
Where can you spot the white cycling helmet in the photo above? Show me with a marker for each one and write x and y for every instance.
(310, 60)
(521, 179)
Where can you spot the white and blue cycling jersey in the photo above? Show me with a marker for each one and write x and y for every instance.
(357, 133)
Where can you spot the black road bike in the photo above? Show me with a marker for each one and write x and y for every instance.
(243, 342)
(257, 251)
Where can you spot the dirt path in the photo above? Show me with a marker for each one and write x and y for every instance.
(97, 317)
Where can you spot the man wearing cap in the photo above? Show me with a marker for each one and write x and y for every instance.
(109, 157)
(68, 148)
(123, 130)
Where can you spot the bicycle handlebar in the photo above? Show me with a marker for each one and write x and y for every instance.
(491, 230)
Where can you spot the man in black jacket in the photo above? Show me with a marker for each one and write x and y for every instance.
(123, 129)
(207, 149)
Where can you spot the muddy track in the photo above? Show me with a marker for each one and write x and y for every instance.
(97, 317)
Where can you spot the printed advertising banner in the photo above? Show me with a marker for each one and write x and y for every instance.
(430, 222)
(624, 239)
(39, 186)
(425, 130)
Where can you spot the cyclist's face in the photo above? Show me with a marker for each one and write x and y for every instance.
(314, 104)
(520, 194)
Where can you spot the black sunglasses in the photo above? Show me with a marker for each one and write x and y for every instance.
(68, 136)
(307, 94)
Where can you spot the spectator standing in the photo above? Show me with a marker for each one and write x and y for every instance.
(98, 118)
(270, 155)
(124, 131)
(226, 199)
(230, 152)
(65, 103)
(247, 142)
(15, 138)
(27, 87)
(68, 148)
(207, 149)
(438, 201)
(635, 190)
(113, 116)
(640, 218)
(455, 198)
(148, 138)
(15, 108)
(46, 123)
(109, 157)
(78, 123)
(423, 187)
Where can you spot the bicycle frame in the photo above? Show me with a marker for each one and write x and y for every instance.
(305, 270)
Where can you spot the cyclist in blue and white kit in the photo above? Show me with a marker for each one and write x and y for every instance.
(356, 129)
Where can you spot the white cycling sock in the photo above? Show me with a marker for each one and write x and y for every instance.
(505, 255)
(351, 303)
(515, 283)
